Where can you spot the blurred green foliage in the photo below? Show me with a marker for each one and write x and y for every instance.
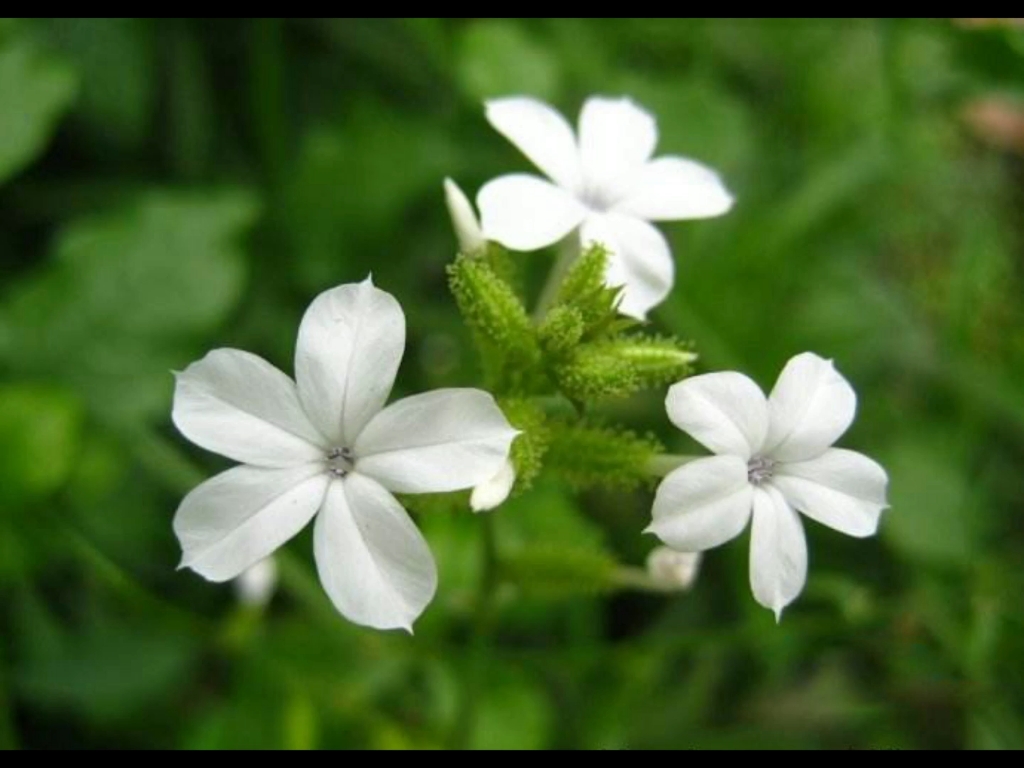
(170, 186)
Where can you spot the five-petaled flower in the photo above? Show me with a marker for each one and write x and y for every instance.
(605, 183)
(325, 446)
(773, 457)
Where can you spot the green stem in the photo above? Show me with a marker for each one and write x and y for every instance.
(483, 633)
(8, 732)
(567, 254)
(664, 463)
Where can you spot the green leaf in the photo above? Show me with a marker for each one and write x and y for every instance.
(513, 713)
(936, 508)
(40, 432)
(496, 58)
(115, 59)
(36, 89)
(106, 672)
(127, 296)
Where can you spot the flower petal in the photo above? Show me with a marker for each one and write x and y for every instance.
(373, 561)
(639, 259)
(443, 440)
(778, 551)
(540, 133)
(702, 504)
(240, 406)
(725, 412)
(672, 188)
(616, 138)
(237, 518)
(811, 406)
(350, 344)
(844, 490)
(491, 493)
(524, 212)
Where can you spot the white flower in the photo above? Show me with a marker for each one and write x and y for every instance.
(325, 446)
(605, 183)
(491, 493)
(773, 458)
(464, 221)
(674, 570)
(256, 585)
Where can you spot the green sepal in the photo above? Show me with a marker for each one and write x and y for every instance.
(601, 457)
(529, 447)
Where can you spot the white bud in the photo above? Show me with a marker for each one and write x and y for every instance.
(464, 220)
(256, 585)
(493, 492)
(670, 569)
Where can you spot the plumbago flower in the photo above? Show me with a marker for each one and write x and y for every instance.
(325, 446)
(605, 183)
(773, 458)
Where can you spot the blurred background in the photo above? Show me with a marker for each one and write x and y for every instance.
(171, 186)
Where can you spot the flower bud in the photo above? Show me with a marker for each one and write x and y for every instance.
(490, 493)
(674, 570)
(256, 585)
(464, 221)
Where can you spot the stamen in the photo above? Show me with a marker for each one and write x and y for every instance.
(340, 461)
(760, 469)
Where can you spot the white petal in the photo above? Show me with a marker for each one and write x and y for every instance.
(616, 138)
(639, 259)
(443, 440)
(810, 407)
(702, 504)
(844, 490)
(778, 551)
(491, 493)
(464, 220)
(350, 344)
(240, 406)
(237, 518)
(671, 188)
(725, 412)
(373, 561)
(540, 133)
(524, 212)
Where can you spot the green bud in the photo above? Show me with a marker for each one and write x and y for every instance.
(596, 372)
(500, 324)
(620, 367)
(584, 290)
(554, 571)
(655, 360)
(590, 456)
(561, 330)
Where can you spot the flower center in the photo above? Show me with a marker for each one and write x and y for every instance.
(340, 461)
(760, 469)
(598, 197)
